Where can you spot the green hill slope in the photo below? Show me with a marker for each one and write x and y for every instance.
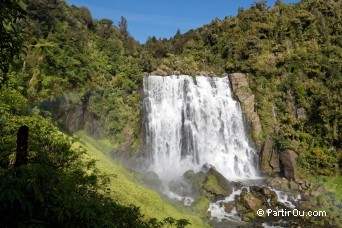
(126, 190)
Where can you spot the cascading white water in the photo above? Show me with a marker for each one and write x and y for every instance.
(191, 122)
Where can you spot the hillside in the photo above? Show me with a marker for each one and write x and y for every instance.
(292, 55)
(65, 74)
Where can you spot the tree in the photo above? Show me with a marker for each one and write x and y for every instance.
(11, 11)
(277, 2)
(123, 28)
(240, 10)
(261, 5)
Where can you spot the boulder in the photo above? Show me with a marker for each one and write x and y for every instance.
(288, 162)
(266, 191)
(278, 183)
(216, 184)
(195, 181)
(179, 187)
(229, 207)
(240, 208)
(251, 201)
(152, 179)
(200, 205)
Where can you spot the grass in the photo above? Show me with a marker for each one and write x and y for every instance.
(331, 183)
(126, 190)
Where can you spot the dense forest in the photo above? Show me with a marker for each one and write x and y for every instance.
(292, 54)
(52, 53)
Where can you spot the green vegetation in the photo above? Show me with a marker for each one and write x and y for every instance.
(125, 188)
(65, 50)
(292, 54)
(50, 51)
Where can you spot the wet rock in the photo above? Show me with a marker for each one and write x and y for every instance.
(237, 185)
(278, 183)
(273, 198)
(247, 217)
(205, 168)
(251, 201)
(288, 161)
(236, 198)
(240, 208)
(266, 191)
(229, 207)
(179, 187)
(195, 181)
(280, 204)
(217, 184)
(255, 189)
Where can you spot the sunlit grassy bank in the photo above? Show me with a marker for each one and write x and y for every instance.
(126, 190)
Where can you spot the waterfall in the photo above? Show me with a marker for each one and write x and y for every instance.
(189, 122)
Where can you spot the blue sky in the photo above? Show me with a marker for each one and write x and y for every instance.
(162, 18)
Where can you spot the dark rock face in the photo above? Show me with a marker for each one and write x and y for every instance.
(75, 116)
(265, 156)
(240, 87)
(269, 158)
(288, 162)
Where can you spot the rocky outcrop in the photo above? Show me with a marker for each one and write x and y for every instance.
(240, 87)
(249, 202)
(269, 158)
(208, 183)
(74, 115)
(216, 184)
(288, 163)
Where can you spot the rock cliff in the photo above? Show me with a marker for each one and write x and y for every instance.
(243, 93)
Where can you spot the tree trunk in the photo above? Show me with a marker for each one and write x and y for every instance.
(22, 144)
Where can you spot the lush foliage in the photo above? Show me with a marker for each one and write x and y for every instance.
(65, 50)
(292, 54)
(10, 13)
(58, 187)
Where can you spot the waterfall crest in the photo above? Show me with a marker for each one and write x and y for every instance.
(189, 122)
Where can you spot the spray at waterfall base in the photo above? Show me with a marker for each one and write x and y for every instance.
(197, 145)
